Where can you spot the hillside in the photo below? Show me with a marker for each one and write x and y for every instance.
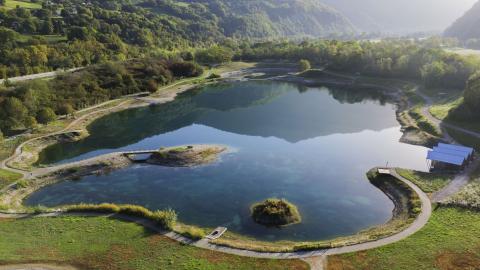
(401, 17)
(256, 18)
(41, 35)
(466, 27)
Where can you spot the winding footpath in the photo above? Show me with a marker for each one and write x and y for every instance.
(317, 258)
(462, 179)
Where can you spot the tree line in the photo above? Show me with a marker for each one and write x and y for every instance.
(40, 101)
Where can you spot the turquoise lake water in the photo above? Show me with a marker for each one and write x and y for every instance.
(311, 146)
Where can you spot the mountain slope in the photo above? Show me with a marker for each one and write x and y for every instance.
(257, 18)
(467, 26)
(401, 16)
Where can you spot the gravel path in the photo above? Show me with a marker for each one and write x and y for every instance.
(316, 258)
(463, 178)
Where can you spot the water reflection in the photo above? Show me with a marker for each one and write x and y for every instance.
(311, 146)
(259, 108)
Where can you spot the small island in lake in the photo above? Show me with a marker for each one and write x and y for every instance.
(186, 156)
(275, 212)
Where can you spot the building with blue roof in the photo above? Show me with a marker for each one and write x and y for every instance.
(450, 156)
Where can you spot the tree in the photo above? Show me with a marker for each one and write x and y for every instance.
(1, 133)
(185, 69)
(46, 115)
(66, 109)
(47, 27)
(215, 55)
(471, 95)
(304, 65)
(2, 3)
(31, 122)
(152, 86)
(80, 33)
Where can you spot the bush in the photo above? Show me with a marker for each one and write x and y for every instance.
(304, 65)
(135, 210)
(193, 232)
(46, 115)
(275, 212)
(185, 69)
(311, 246)
(152, 86)
(166, 218)
(39, 209)
(21, 184)
(66, 109)
(214, 76)
(97, 208)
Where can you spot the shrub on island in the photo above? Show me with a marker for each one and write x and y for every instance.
(275, 212)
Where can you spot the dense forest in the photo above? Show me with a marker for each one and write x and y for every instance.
(52, 34)
(426, 62)
(40, 101)
(469, 110)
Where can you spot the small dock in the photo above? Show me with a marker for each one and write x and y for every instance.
(383, 171)
(139, 156)
(217, 233)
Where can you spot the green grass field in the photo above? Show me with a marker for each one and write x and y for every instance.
(11, 4)
(7, 177)
(440, 111)
(103, 243)
(428, 182)
(450, 241)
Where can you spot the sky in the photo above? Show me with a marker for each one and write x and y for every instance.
(403, 15)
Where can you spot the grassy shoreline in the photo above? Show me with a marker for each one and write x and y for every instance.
(449, 241)
(105, 243)
(232, 240)
(407, 207)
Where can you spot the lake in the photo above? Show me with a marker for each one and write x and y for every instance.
(309, 145)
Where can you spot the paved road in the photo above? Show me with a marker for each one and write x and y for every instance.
(39, 75)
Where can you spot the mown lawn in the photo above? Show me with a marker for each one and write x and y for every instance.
(428, 182)
(450, 241)
(24, 4)
(441, 111)
(103, 243)
(7, 177)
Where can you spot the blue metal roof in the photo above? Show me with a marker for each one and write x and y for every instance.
(468, 150)
(453, 152)
(446, 158)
